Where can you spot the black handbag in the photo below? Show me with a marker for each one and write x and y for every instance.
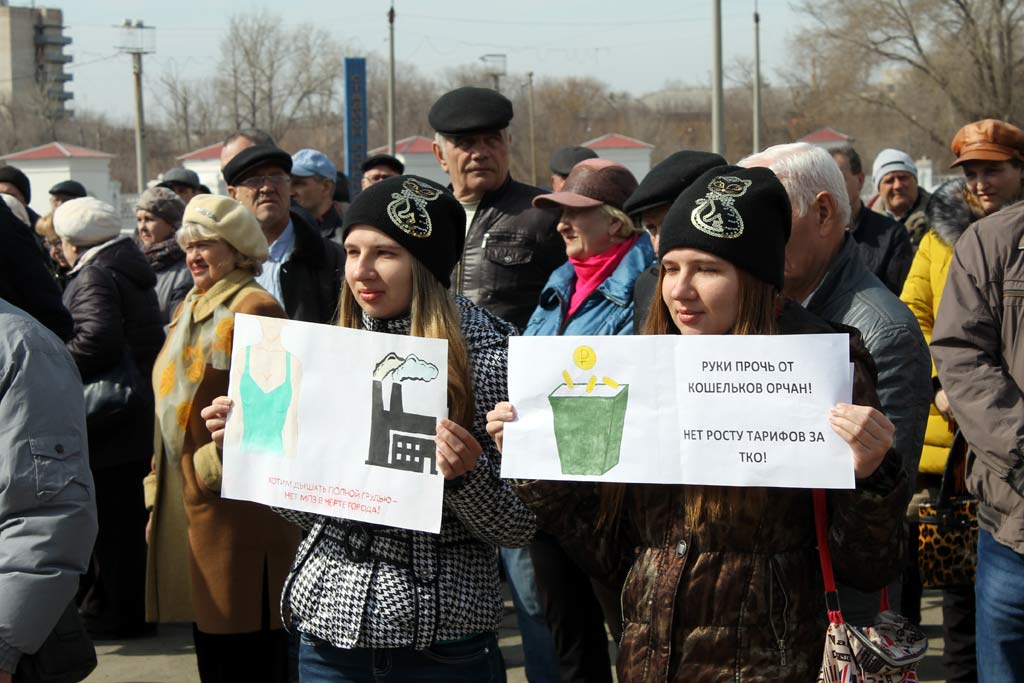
(66, 656)
(947, 551)
(112, 394)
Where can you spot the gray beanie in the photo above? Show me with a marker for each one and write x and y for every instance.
(889, 161)
(162, 203)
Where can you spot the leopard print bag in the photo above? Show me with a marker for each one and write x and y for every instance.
(947, 537)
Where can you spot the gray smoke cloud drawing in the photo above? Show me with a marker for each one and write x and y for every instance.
(398, 369)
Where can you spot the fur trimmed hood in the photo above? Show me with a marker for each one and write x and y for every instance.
(951, 209)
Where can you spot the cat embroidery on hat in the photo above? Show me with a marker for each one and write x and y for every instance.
(714, 213)
(408, 211)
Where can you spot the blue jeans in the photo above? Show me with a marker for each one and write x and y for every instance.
(999, 592)
(540, 657)
(474, 660)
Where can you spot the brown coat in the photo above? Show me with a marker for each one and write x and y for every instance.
(207, 554)
(978, 346)
(739, 598)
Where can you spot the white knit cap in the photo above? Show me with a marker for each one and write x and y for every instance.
(86, 221)
(889, 161)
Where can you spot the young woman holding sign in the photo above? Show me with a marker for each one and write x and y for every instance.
(404, 605)
(724, 583)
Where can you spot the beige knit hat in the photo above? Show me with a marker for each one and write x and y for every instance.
(86, 221)
(231, 221)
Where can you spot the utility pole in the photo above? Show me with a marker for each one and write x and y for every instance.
(495, 66)
(533, 132)
(137, 43)
(717, 113)
(757, 80)
(391, 79)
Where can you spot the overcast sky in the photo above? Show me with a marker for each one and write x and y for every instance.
(633, 46)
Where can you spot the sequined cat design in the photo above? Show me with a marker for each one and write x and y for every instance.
(408, 210)
(715, 213)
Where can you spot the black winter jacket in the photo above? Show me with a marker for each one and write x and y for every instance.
(311, 278)
(884, 247)
(511, 249)
(25, 279)
(112, 300)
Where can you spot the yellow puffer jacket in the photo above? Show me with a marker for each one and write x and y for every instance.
(950, 211)
(922, 292)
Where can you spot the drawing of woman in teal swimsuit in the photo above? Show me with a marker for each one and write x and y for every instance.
(268, 389)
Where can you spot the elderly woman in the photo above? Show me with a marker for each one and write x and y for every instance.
(591, 294)
(216, 562)
(157, 217)
(110, 296)
(57, 265)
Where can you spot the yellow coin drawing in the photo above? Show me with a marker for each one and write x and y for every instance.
(584, 357)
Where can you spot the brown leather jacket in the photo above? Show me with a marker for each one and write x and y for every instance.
(741, 598)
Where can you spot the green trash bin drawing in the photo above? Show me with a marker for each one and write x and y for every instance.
(588, 426)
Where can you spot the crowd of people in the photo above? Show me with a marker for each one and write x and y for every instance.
(121, 512)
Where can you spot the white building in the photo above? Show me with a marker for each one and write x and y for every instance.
(205, 161)
(48, 165)
(632, 153)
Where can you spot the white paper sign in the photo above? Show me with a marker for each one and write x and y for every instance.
(716, 410)
(336, 421)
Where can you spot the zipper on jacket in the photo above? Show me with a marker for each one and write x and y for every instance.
(780, 638)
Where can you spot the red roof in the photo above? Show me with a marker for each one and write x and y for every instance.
(825, 135)
(208, 152)
(57, 150)
(616, 141)
(415, 144)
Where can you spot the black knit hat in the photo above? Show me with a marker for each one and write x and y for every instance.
(742, 215)
(14, 176)
(419, 214)
(669, 178)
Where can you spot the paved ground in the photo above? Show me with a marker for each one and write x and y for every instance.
(168, 657)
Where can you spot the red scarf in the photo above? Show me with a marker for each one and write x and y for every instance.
(593, 270)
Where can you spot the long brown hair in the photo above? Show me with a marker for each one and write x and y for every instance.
(757, 314)
(434, 316)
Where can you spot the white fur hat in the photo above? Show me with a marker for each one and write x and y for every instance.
(86, 221)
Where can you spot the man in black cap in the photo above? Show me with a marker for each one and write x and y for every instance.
(182, 182)
(66, 190)
(303, 270)
(651, 201)
(380, 167)
(562, 162)
(511, 247)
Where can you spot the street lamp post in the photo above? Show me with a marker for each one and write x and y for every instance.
(495, 67)
(137, 40)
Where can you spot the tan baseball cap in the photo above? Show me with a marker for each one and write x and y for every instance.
(988, 140)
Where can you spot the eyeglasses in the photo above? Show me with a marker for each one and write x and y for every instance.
(258, 181)
(52, 244)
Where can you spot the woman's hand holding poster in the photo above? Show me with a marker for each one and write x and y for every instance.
(336, 421)
(667, 409)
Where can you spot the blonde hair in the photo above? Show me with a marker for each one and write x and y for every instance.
(434, 315)
(629, 226)
(194, 232)
(45, 229)
(757, 314)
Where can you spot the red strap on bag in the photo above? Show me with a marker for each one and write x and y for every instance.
(835, 615)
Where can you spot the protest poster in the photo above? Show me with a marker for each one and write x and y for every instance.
(669, 409)
(336, 421)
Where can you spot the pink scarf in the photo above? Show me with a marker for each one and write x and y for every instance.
(593, 270)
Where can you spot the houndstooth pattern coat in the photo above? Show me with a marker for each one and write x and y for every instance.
(355, 584)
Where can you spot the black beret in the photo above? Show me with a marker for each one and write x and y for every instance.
(71, 188)
(565, 158)
(14, 176)
(742, 215)
(251, 157)
(468, 110)
(419, 214)
(383, 160)
(341, 190)
(669, 178)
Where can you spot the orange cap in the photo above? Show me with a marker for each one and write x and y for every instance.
(988, 140)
